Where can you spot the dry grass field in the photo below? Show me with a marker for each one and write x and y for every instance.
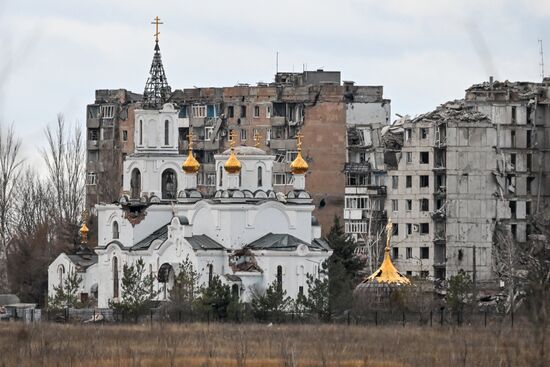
(49, 344)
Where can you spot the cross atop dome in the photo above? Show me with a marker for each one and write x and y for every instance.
(157, 90)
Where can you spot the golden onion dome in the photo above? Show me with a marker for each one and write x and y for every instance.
(299, 166)
(232, 165)
(191, 165)
(387, 273)
(84, 229)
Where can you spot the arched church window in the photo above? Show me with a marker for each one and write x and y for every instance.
(280, 278)
(259, 176)
(140, 132)
(220, 176)
(115, 230)
(60, 274)
(166, 132)
(235, 291)
(210, 274)
(115, 277)
(169, 184)
(135, 183)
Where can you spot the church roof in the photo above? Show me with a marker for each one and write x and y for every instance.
(159, 234)
(203, 242)
(285, 242)
(199, 242)
(83, 261)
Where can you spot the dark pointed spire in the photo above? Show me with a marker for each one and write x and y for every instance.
(157, 89)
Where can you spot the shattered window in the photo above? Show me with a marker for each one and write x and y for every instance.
(424, 157)
(424, 205)
(423, 133)
(256, 111)
(395, 207)
(409, 156)
(93, 134)
(394, 182)
(409, 253)
(424, 181)
(424, 228)
(424, 252)
(409, 206)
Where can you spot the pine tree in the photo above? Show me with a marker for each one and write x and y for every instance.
(343, 268)
(138, 290)
(185, 289)
(271, 304)
(66, 295)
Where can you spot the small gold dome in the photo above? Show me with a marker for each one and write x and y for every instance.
(299, 166)
(84, 229)
(232, 165)
(191, 165)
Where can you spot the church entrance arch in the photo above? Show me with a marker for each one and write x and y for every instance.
(169, 184)
(166, 277)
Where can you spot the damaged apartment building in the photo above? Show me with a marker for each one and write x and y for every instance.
(266, 115)
(459, 174)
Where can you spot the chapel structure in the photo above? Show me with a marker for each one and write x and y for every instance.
(245, 233)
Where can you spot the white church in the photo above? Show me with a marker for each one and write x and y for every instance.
(246, 234)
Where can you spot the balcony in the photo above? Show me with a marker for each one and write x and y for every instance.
(358, 167)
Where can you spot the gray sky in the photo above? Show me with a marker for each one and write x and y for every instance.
(424, 52)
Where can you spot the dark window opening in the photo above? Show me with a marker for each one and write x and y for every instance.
(169, 184)
(424, 252)
(423, 133)
(243, 111)
(395, 229)
(259, 176)
(408, 182)
(424, 181)
(115, 277)
(424, 157)
(424, 228)
(424, 205)
(166, 132)
(230, 111)
(409, 253)
(135, 184)
(210, 274)
(280, 278)
(395, 252)
(115, 230)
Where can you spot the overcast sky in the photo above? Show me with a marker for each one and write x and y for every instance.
(55, 53)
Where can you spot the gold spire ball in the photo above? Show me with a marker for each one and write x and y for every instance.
(232, 165)
(387, 273)
(299, 166)
(191, 165)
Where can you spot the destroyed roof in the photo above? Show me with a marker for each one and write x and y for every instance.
(456, 111)
(286, 242)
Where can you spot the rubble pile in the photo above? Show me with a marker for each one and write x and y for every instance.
(451, 111)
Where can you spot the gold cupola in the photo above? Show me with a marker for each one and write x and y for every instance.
(84, 228)
(299, 166)
(387, 273)
(191, 165)
(232, 165)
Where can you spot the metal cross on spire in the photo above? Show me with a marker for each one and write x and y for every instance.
(299, 137)
(156, 23)
(157, 91)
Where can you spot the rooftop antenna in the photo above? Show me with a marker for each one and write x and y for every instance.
(541, 64)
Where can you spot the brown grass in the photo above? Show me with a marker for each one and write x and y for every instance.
(259, 345)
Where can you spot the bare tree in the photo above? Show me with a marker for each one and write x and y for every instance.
(64, 157)
(10, 169)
